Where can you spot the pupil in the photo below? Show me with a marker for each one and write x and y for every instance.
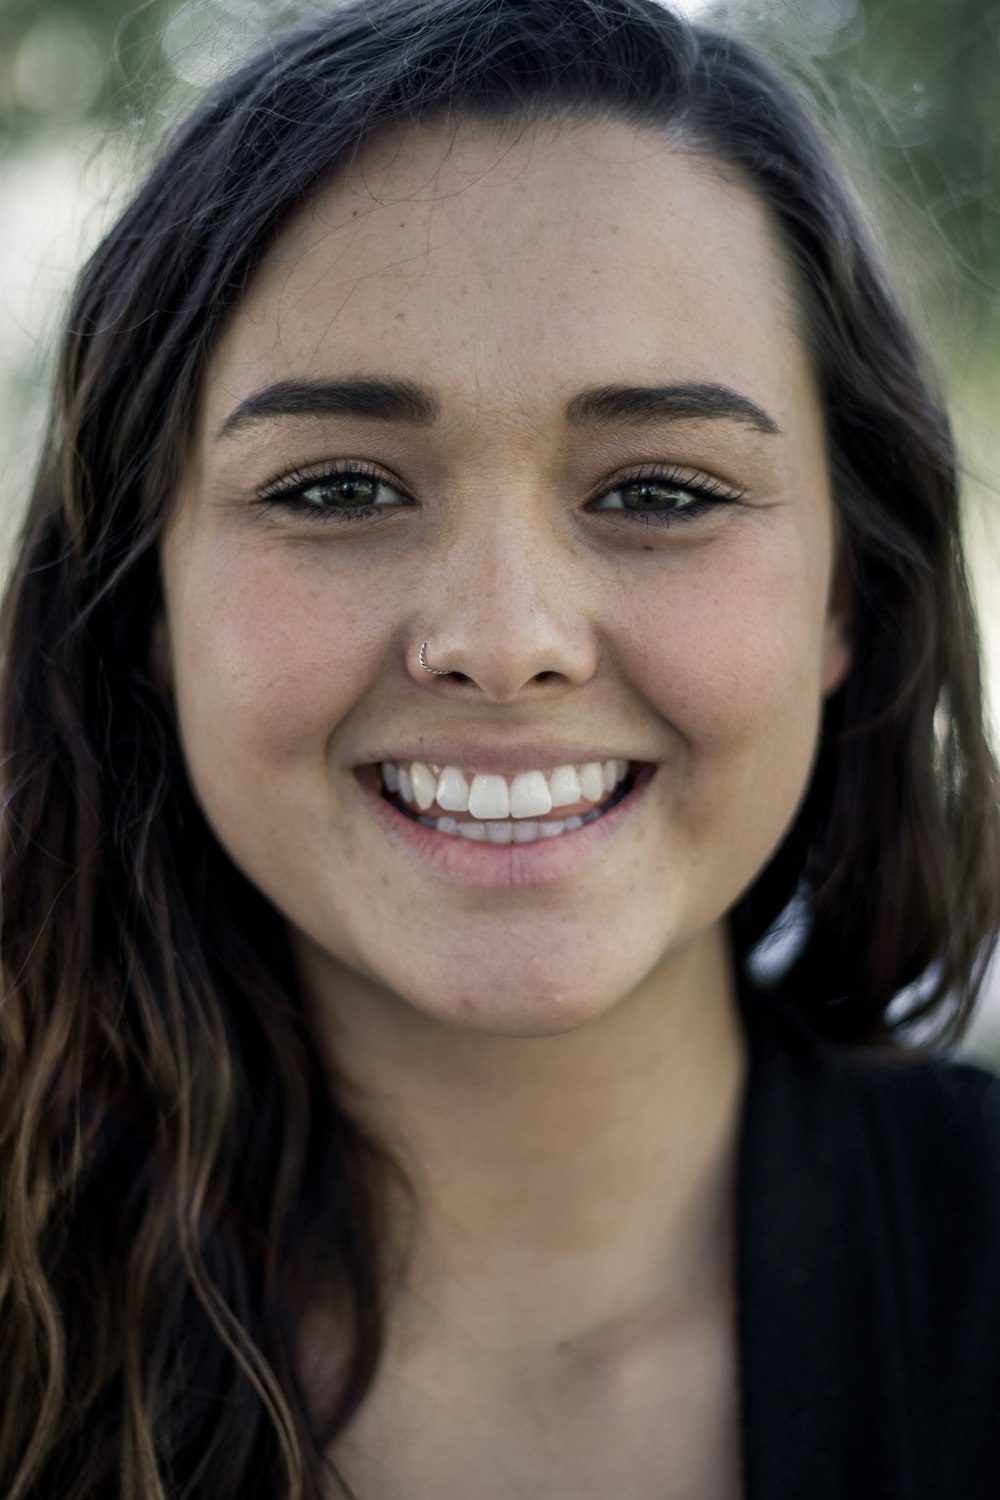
(330, 491)
(349, 488)
(650, 491)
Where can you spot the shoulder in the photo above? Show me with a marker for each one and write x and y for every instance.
(933, 1128)
(935, 1112)
(929, 1126)
(901, 1153)
(908, 1148)
(871, 1254)
(937, 1097)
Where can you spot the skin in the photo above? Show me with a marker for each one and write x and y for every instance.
(561, 1067)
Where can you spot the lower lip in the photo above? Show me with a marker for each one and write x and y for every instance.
(469, 863)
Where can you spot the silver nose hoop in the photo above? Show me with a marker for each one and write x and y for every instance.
(436, 670)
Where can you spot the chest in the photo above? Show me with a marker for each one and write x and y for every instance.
(664, 1428)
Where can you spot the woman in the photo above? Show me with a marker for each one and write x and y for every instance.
(497, 548)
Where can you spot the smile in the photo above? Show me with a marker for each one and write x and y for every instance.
(500, 810)
(515, 850)
(494, 809)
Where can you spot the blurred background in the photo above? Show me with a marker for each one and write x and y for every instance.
(909, 91)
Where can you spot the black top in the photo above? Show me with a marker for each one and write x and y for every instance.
(868, 1271)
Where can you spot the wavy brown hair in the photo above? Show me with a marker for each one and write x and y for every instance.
(175, 1163)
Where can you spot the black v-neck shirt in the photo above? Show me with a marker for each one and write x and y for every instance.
(867, 1270)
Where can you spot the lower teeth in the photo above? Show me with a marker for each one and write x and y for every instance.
(527, 832)
(512, 832)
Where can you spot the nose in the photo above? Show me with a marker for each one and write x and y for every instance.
(505, 614)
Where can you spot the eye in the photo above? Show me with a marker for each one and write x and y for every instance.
(666, 496)
(357, 491)
(346, 491)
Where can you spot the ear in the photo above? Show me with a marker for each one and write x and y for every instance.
(159, 658)
(838, 630)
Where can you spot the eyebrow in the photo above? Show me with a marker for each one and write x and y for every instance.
(388, 400)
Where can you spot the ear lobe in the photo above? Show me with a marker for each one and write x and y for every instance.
(838, 632)
(837, 658)
(158, 659)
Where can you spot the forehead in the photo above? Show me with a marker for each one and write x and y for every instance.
(500, 260)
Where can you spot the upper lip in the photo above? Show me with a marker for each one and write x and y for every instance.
(500, 760)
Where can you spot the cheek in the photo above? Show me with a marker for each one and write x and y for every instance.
(268, 659)
(730, 651)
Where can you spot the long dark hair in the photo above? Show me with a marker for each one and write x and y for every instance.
(174, 1162)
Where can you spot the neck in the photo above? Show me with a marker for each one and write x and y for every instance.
(570, 1186)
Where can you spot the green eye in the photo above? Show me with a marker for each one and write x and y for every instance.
(347, 492)
(665, 497)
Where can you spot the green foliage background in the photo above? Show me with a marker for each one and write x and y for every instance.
(910, 89)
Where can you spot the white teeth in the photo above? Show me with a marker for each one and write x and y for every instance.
(424, 785)
(565, 784)
(525, 832)
(390, 776)
(507, 832)
(530, 796)
(489, 797)
(453, 790)
(592, 781)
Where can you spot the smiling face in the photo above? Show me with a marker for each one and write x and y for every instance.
(520, 529)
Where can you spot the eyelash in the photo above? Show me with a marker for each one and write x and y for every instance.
(288, 494)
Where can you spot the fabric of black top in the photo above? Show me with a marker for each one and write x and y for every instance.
(868, 1270)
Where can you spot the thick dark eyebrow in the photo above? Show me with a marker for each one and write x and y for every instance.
(387, 400)
(376, 400)
(640, 405)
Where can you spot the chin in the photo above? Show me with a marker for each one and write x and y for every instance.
(528, 1006)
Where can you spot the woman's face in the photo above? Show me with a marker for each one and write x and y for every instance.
(590, 608)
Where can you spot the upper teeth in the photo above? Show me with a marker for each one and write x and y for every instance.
(530, 794)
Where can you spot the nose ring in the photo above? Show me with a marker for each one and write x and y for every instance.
(426, 668)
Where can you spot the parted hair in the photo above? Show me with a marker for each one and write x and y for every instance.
(175, 1165)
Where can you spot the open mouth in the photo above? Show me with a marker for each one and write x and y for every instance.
(511, 829)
